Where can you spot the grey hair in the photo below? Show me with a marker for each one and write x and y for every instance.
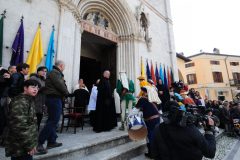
(59, 62)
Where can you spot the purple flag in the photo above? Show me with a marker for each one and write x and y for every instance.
(148, 73)
(18, 46)
(156, 74)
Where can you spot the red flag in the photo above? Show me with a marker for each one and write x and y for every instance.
(169, 78)
(152, 74)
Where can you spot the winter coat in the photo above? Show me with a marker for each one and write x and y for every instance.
(17, 84)
(172, 142)
(55, 84)
(40, 98)
(21, 134)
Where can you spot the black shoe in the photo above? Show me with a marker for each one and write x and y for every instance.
(148, 155)
(53, 145)
(41, 149)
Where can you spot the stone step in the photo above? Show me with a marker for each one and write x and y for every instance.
(86, 144)
(121, 152)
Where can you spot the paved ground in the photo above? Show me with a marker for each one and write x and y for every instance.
(80, 139)
(228, 148)
(234, 154)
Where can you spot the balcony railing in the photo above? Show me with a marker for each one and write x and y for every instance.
(234, 82)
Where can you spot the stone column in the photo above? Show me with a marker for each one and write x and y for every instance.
(68, 49)
(125, 58)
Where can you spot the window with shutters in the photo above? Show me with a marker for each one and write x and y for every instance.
(215, 62)
(189, 65)
(234, 63)
(217, 77)
(191, 79)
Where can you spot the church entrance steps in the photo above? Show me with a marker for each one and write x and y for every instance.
(122, 152)
(86, 144)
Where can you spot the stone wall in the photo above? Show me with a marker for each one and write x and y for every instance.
(66, 16)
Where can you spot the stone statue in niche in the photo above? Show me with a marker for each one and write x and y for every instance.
(101, 21)
(90, 17)
(143, 22)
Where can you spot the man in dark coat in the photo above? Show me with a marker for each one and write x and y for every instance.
(105, 119)
(55, 91)
(18, 79)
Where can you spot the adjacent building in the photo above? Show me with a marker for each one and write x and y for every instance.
(93, 35)
(215, 75)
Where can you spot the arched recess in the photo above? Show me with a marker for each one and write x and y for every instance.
(123, 22)
(124, 25)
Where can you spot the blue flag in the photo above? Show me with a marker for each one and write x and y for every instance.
(18, 46)
(165, 78)
(156, 74)
(148, 73)
(161, 74)
(50, 52)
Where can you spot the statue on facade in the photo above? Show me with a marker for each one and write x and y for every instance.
(101, 21)
(90, 17)
(143, 21)
(98, 19)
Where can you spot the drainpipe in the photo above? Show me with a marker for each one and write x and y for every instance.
(228, 75)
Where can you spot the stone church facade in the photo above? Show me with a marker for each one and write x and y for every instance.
(96, 34)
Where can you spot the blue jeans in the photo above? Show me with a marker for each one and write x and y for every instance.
(150, 127)
(26, 157)
(48, 133)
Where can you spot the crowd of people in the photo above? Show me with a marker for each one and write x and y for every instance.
(26, 98)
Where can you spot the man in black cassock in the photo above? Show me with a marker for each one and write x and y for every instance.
(105, 114)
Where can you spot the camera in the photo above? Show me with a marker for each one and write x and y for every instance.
(196, 116)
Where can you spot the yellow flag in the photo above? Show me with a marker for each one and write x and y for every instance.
(36, 53)
(142, 69)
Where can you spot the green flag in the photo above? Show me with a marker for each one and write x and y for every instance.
(1, 38)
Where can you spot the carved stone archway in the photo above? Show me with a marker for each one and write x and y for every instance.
(123, 23)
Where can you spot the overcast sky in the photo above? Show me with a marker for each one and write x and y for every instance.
(206, 24)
